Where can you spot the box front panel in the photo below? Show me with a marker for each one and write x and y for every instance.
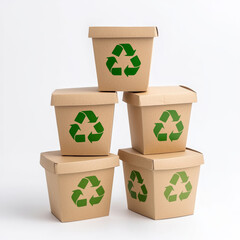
(175, 192)
(123, 64)
(165, 128)
(85, 195)
(85, 130)
(139, 190)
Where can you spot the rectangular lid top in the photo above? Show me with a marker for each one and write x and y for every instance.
(56, 163)
(82, 96)
(164, 161)
(161, 96)
(123, 32)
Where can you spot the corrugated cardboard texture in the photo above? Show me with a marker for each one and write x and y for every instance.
(54, 162)
(158, 202)
(147, 117)
(123, 32)
(66, 117)
(161, 96)
(61, 189)
(165, 161)
(82, 96)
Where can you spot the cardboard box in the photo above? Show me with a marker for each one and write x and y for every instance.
(123, 57)
(163, 185)
(159, 118)
(79, 187)
(84, 119)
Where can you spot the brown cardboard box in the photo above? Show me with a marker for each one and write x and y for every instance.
(163, 185)
(123, 57)
(79, 187)
(84, 119)
(159, 118)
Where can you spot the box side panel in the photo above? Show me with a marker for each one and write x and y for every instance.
(86, 195)
(139, 190)
(80, 135)
(175, 192)
(135, 123)
(121, 68)
(165, 128)
(54, 194)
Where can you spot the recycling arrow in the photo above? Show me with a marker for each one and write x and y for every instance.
(95, 200)
(141, 196)
(160, 136)
(94, 181)
(94, 137)
(132, 193)
(173, 181)
(89, 114)
(110, 62)
(167, 192)
(183, 176)
(73, 130)
(126, 46)
(92, 118)
(173, 136)
(76, 196)
(135, 174)
(128, 49)
(117, 50)
(184, 195)
(129, 70)
(83, 183)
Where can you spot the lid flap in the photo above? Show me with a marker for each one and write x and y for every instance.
(82, 96)
(58, 164)
(123, 32)
(161, 96)
(164, 161)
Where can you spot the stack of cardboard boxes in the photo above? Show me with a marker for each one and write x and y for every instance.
(161, 175)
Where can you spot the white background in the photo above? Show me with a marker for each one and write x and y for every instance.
(44, 45)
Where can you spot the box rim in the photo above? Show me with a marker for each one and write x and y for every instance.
(122, 32)
(135, 99)
(77, 97)
(92, 163)
(148, 162)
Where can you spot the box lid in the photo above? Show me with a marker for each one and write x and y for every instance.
(164, 161)
(161, 96)
(82, 96)
(123, 32)
(56, 163)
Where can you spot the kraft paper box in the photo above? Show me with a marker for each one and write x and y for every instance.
(159, 118)
(79, 187)
(84, 119)
(123, 57)
(163, 185)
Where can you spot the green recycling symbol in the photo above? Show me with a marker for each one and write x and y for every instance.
(92, 137)
(129, 71)
(159, 126)
(142, 197)
(81, 202)
(169, 189)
